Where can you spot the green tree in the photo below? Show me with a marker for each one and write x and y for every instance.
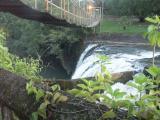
(153, 33)
(138, 8)
(50, 43)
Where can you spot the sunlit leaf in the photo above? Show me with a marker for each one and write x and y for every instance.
(39, 94)
(109, 114)
(42, 109)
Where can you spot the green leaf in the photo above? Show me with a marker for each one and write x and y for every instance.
(154, 71)
(74, 91)
(56, 97)
(82, 86)
(117, 94)
(102, 58)
(109, 114)
(97, 96)
(30, 88)
(140, 78)
(39, 94)
(85, 81)
(55, 88)
(62, 98)
(96, 88)
(152, 28)
(109, 89)
(132, 85)
(151, 20)
(34, 116)
(42, 109)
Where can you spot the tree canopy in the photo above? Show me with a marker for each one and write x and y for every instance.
(138, 8)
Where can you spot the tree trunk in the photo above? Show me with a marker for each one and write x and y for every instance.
(154, 50)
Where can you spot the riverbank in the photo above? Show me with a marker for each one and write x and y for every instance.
(117, 37)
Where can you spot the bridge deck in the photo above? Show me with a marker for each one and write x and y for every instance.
(19, 9)
(51, 12)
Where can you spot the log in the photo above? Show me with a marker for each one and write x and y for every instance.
(14, 96)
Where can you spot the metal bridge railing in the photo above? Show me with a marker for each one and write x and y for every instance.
(77, 12)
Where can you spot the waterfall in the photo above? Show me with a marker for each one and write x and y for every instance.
(121, 59)
(84, 54)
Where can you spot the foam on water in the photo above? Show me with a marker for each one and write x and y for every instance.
(120, 61)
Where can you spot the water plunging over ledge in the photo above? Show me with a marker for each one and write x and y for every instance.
(122, 58)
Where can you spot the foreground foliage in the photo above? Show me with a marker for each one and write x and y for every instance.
(141, 105)
(153, 34)
(51, 44)
(30, 68)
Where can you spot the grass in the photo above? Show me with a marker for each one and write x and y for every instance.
(115, 26)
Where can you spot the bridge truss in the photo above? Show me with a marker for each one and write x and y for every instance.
(80, 12)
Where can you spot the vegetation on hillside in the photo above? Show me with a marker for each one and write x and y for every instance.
(138, 8)
(50, 44)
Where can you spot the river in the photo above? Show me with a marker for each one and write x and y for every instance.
(121, 59)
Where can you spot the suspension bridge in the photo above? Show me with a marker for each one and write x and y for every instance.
(83, 13)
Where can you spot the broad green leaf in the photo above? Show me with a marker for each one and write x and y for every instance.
(39, 94)
(42, 109)
(74, 91)
(103, 58)
(140, 78)
(117, 94)
(56, 97)
(62, 98)
(85, 81)
(152, 28)
(154, 71)
(151, 20)
(55, 88)
(96, 88)
(30, 88)
(97, 96)
(83, 86)
(109, 89)
(109, 114)
(132, 85)
(100, 77)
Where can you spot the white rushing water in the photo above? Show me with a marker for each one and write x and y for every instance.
(120, 60)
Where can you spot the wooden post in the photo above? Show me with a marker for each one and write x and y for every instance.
(46, 5)
(64, 7)
(68, 10)
(35, 4)
(61, 4)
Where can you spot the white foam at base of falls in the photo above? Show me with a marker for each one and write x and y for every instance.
(120, 62)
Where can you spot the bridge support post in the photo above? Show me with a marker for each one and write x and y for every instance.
(46, 5)
(68, 8)
(61, 5)
(35, 4)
